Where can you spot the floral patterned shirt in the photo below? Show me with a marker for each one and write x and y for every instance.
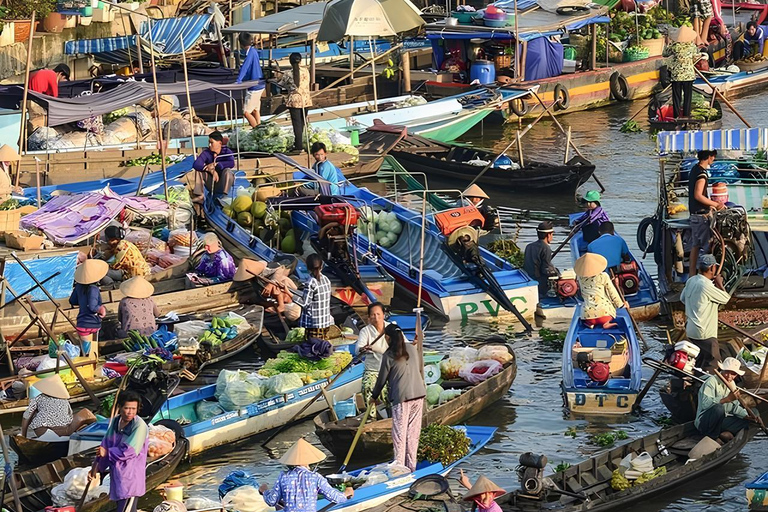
(683, 57)
(600, 296)
(128, 258)
(297, 97)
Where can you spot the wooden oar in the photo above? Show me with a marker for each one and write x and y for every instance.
(11, 480)
(573, 232)
(357, 436)
(716, 92)
(743, 333)
(629, 312)
(743, 402)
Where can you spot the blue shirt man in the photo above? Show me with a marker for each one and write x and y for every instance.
(326, 169)
(610, 245)
(251, 71)
(756, 34)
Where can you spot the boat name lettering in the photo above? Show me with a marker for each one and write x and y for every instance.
(226, 417)
(261, 406)
(622, 401)
(311, 389)
(399, 482)
(470, 308)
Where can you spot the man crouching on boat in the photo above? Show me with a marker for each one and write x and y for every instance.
(719, 414)
(297, 488)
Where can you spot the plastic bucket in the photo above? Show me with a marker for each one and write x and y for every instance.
(345, 409)
(483, 71)
(174, 492)
(720, 193)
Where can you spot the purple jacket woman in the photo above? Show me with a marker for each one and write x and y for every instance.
(126, 457)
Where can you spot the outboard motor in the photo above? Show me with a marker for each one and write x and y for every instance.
(684, 356)
(596, 364)
(628, 278)
(531, 473)
(566, 285)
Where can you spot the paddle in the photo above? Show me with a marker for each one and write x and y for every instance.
(573, 232)
(735, 390)
(357, 436)
(716, 92)
(490, 164)
(743, 333)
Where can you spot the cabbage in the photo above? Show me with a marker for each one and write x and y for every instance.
(283, 383)
(294, 335)
(241, 393)
(433, 393)
(448, 395)
(227, 376)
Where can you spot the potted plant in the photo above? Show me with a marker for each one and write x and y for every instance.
(20, 12)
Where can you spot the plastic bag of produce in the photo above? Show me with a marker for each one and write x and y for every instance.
(448, 395)
(240, 393)
(245, 499)
(433, 393)
(162, 432)
(496, 352)
(206, 410)
(181, 237)
(449, 368)
(201, 503)
(73, 487)
(225, 377)
(283, 383)
(480, 371)
(158, 448)
(296, 334)
(191, 329)
(237, 479)
(464, 354)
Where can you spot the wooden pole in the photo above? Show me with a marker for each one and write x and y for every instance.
(351, 57)
(138, 54)
(517, 46)
(567, 145)
(6, 457)
(160, 142)
(37, 182)
(23, 128)
(593, 58)
(189, 98)
(519, 149)
(373, 75)
(312, 63)
(406, 60)
(716, 91)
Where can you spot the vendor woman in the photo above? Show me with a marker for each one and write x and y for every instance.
(316, 315)
(48, 410)
(371, 341)
(216, 265)
(593, 217)
(137, 311)
(276, 287)
(125, 258)
(87, 296)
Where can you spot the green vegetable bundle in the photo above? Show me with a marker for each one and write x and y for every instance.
(291, 362)
(441, 443)
(153, 159)
(9, 204)
(137, 342)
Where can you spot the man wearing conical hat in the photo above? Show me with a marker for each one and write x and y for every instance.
(298, 487)
(537, 260)
(48, 410)
(8, 156)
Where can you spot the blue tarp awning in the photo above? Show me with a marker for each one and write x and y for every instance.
(509, 32)
(166, 36)
(44, 269)
(747, 139)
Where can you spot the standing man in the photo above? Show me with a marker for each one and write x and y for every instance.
(537, 261)
(124, 452)
(46, 81)
(702, 294)
(700, 206)
(610, 245)
(251, 71)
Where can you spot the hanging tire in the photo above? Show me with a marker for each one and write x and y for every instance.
(562, 97)
(646, 235)
(665, 77)
(519, 107)
(619, 87)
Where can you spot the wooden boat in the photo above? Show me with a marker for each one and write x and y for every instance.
(377, 494)
(733, 85)
(35, 485)
(757, 497)
(587, 486)
(591, 354)
(690, 123)
(418, 154)
(228, 427)
(375, 442)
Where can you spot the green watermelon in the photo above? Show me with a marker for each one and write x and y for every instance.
(245, 219)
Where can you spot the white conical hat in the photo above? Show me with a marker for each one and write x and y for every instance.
(53, 386)
(302, 454)
(590, 265)
(137, 288)
(91, 271)
(475, 191)
(8, 154)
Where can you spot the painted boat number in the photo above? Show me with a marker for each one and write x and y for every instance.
(225, 417)
(580, 400)
(400, 482)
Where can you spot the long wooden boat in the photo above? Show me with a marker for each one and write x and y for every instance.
(232, 426)
(35, 485)
(375, 442)
(617, 350)
(733, 85)
(587, 486)
(418, 154)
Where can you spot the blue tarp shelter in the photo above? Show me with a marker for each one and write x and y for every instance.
(747, 139)
(60, 286)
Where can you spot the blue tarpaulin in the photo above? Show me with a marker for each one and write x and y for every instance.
(60, 287)
(748, 139)
(544, 59)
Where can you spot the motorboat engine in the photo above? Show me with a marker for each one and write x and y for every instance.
(455, 218)
(531, 473)
(566, 285)
(336, 221)
(684, 356)
(628, 278)
(596, 364)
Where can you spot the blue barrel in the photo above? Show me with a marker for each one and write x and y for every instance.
(345, 409)
(484, 71)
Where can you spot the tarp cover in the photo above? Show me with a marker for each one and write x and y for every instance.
(748, 139)
(303, 20)
(60, 287)
(544, 59)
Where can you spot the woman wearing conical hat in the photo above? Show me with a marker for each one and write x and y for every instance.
(137, 311)
(474, 196)
(8, 156)
(598, 291)
(484, 493)
(683, 56)
(87, 296)
(298, 487)
(48, 410)
(276, 287)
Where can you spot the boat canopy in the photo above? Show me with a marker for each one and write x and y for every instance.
(166, 36)
(302, 21)
(747, 139)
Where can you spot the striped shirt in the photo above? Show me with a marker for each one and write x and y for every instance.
(298, 489)
(316, 304)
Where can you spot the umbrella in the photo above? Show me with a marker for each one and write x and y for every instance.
(368, 18)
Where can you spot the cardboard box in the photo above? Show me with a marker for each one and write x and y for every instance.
(23, 240)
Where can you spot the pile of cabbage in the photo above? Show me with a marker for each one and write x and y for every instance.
(307, 370)
(384, 228)
(335, 142)
(267, 137)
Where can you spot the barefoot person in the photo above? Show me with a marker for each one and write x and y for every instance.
(719, 414)
(598, 291)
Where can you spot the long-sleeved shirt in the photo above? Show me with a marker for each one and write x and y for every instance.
(298, 97)
(127, 458)
(365, 338)
(711, 392)
(128, 258)
(316, 304)
(330, 174)
(682, 62)
(760, 36)
(402, 377)
(592, 220)
(701, 298)
(50, 412)
(219, 266)
(251, 70)
(298, 489)
(225, 159)
(612, 247)
(537, 263)
(45, 81)
(88, 298)
(600, 296)
(137, 314)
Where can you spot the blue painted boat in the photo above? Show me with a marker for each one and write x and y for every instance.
(374, 495)
(448, 289)
(645, 304)
(757, 493)
(233, 426)
(732, 85)
(590, 354)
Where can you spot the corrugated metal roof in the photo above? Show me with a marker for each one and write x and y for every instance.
(303, 20)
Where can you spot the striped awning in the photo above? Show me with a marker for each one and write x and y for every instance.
(748, 139)
(166, 36)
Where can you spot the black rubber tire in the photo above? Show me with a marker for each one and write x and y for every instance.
(665, 77)
(562, 98)
(644, 242)
(619, 87)
(570, 10)
(519, 107)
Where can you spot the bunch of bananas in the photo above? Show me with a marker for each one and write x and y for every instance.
(674, 208)
(618, 482)
(645, 477)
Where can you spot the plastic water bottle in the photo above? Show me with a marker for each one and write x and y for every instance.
(662, 449)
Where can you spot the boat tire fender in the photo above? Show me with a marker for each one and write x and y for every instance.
(619, 86)
(646, 241)
(665, 77)
(562, 97)
(519, 107)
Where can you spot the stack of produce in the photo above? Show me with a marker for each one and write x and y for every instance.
(271, 226)
(161, 441)
(474, 366)
(267, 137)
(309, 371)
(384, 228)
(701, 110)
(149, 345)
(334, 142)
(441, 443)
(222, 329)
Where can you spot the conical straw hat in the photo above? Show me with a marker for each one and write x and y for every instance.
(137, 288)
(590, 265)
(684, 34)
(302, 454)
(8, 154)
(53, 386)
(475, 191)
(249, 269)
(484, 485)
(91, 271)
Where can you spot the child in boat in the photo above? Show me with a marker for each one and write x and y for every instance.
(593, 217)
(483, 493)
(598, 291)
(87, 297)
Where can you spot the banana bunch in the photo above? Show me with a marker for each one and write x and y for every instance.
(645, 477)
(676, 208)
(618, 482)
(137, 342)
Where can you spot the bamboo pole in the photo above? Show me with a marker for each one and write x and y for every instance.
(189, 98)
(358, 68)
(517, 46)
(418, 309)
(716, 91)
(6, 457)
(373, 75)
(37, 182)
(160, 142)
(23, 128)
